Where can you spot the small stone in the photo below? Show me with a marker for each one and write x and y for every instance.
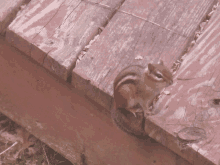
(166, 92)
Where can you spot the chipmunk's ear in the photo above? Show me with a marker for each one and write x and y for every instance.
(160, 62)
(150, 67)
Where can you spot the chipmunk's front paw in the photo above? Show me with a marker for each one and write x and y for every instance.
(148, 112)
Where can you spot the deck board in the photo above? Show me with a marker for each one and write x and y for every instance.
(8, 10)
(180, 16)
(190, 103)
(56, 31)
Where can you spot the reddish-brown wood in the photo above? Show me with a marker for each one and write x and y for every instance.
(180, 16)
(8, 11)
(193, 102)
(134, 39)
(64, 119)
(54, 32)
(121, 43)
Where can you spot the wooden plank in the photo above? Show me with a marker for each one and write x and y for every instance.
(54, 32)
(181, 16)
(193, 103)
(60, 116)
(124, 40)
(8, 10)
(26, 25)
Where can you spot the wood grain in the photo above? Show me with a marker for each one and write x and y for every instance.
(30, 22)
(180, 16)
(54, 32)
(8, 10)
(193, 101)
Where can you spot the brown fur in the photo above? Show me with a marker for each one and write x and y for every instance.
(136, 87)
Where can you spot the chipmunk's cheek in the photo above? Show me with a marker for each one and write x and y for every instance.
(161, 85)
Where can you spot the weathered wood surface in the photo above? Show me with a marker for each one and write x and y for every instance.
(137, 34)
(61, 117)
(8, 11)
(54, 32)
(180, 16)
(190, 103)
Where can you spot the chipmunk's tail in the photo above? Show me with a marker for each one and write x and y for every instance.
(128, 123)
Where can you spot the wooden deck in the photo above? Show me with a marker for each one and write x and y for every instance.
(137, 35)
(61, 117)
(9, 9)
(83, 45)
(191, 111)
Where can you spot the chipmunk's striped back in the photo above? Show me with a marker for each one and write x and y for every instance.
(135, 88)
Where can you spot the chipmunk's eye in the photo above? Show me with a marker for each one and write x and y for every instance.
(159, 75)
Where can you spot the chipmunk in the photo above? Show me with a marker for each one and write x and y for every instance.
(135, 88)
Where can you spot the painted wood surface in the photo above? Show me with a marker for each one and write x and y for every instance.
(60, 116)
(189, 117)
(54, 32)
(8, 11)
(137, 35)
